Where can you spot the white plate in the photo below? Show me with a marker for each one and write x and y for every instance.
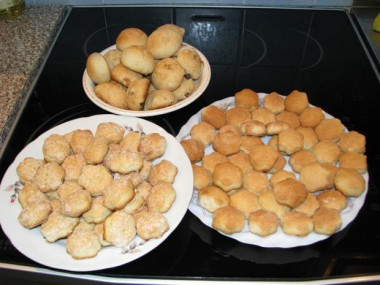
(279, 239)
(200, 86)
(31, 242)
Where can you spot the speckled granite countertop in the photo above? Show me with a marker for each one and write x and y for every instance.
(24, 43)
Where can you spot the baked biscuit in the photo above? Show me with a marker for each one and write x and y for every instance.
(273, 142)
(310, 138)
(296, 102)
(112, 93)
(58, 226)
(151, 225)
(311, 117)
(203, 132)
(190, 61)
(97, 212)
(30, 194)
(249, 143)
(67, 188)
(263, 157)
(327, 221)
(28, 168)
(83, 226)
(95, 178)
(140, 213)
(263, 115)
(255, 182)
(80, 139)
(214, 116)
(56, 148)
(139, 59)
(349, 182)
(245, 201)
(164, 171)
(165, 41)
(268, 202)
(326, 152)
(290, 192)
(81, 245)
(290, 141)
(194, 149)
(333, 170)
(202, 177)
(332, 199)
(227, 143)
(159, 99)
(253, 128)
(136, 204)
(73, 166)
(112, 58)
(152, 146)
(210, 160)
(247, 99)
(131, 141)
(212, 197)
(124, 75)
(35, 214)
(144, 189)
(329, 129)
(122, 161)
(131, 37)
(300, 159)
(111, 131)
(263, 222)
(75, 204)
(230, 128)
(99, 231)
(309, 206)
(296, 224)
(352, 141)
(278, 165)
(145, 170)
(167, 74)
(96, 150)
(119, 228)
(353, 160)
(281, 175)
(289, 117)
(97, 68)
(241, 160)
(228, 220)
(227, 176)
(315, 177)
(161, 198)
(274, 102)
(185, 89)
(236, 116)
(118, 193)
(49, 176)
(274, 128)
(137, 94)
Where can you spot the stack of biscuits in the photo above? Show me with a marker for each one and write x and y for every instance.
(98, 189)
(274, 162)
(145, 72)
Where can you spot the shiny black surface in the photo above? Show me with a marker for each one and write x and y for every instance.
(316, 51)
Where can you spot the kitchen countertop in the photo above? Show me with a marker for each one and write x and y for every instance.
(24, 45)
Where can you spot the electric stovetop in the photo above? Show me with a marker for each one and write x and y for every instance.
(316, 51)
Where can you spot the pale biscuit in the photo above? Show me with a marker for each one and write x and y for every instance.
(274, 128)
(30, 194)
(300, 159)
(296, 102)
(122, 161)
(352, 141)
(97, 68)
(281, 175)
(140, 213)
(329, 129)
(236, 116)
(165, 41)
(131, 141)
(145, 170)
(56, 148)
(58, 226)
(268, 202)
(144, 189)
(135, 205)
(161, 198)
(249, 143)
(296, 224)
(28, 168)
(112, 93)
(194, 149)
(228, 220)
(130, 37)
(315, 177)
(245, 201)
(111, 131)
(263, 115)
(118, 193)
(119, 228)
(185, 89)
(290, 192)
(327, 221)
(112, 58)
(164, 171)
(326, 152)
(253, 128)
(212, 197)
(190, 61)
(263, 222)
(99, 231)
(139, 59)
(97, 212)
(289, 117)
(81, 245)
(210, 160)
(203, 132)
(167, 74)
(83, 226)
(35, 214)
(247, 99)
(290, 141)
(353, 160)
(263, 157)
(80, 139)
(96, 150)
(67, 188)
(202, 177)
(255, 182)
(73, 166)
(310, 138)
(75, 204)
(349, 182)
(311, 117)
(95, 179)
(137, 94)
(152, 146)
(214, 116)
(151, 225)
(124, 75)
(309, 206)
(241, 160)
(49, 176)
(274, 102)
(227, 143)
(158, 99)
(227, 176)
(332, 199)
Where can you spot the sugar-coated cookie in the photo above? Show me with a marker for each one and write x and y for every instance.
(349, 182)
(58, 226)
(119, 228)
(151, 225)
(118, 193)
(28, 168)
(161, 198)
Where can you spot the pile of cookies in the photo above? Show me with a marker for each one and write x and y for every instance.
(97, 189)
(146, 72)
(274, 162)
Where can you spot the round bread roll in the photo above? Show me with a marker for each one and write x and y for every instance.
(131, 37)
(290, 141)
(165, 41)
(190, 61)
(194, 149)
(290, 192)
(278, 165)
(167, 74)
(245, 201)
(185, 89)
(289, 117)
(263, 157)
(315, 177)
(214, 116)
(124, 75)
(212, 197)
(247, 99)
(159, 99)
(139, 59)
(97, 68)
(327, 221)
(227, 176)
(227, 143)
(349, 182)
(137, 93)
(311, 117)
(296, 102)
(112, 93)
(274, 102)
(332, 199)
(237, 116)
(228, 220)
(329, 129)
(352, 141)
(263, 222)
(296, 224)
(113, 58)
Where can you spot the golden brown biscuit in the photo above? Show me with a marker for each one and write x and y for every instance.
(349, 182)
(139, 59)
(137, 94)
(96, 150)
(97, 68)
(333, 170)
(112, 93)
(311, 117)
(185, 89)
(227, 143)
(309, 206)
(327, 221)
(281, 175)
(230, 128)
(249, 143)
(300, 159)
(161, 198)
(202, 176)
(247, 99)
(82, 245)
(151, 225)
(273, 142)
(95, 178)
(236, 116)
(118, 194)
(332, 199)
(310, 138)
(352, 141)
(274, 128)
(290, 192)
(190, 61)
(289, 117)
(35, 214)
(290, 141)
(228, 220)
(131, 141)
(263, 115)
(164, 171)
(165, 41)
(245, 201)
(159, 99)
(152, 146)
(253, 128)
(119, 228)
(255, 182)
(214, 116)
(73, 166)
(263, 222)
(30, 194)
(167, 74)
(263, 157)
(124, 75)
(241, 160)
(112, 58)
(122, 161)
(353, 160)
(28, 168)
(97, 212)
(130, 37)
(274, 102)
(268, 202)
(67, 188)
(56, 148)
(76, 203)
(79, 140)
(326, 152)
(58, 226)
(227, 176)
(49, 176)
(203, 132)
(194, 149)
(296, 224)
(329, 129)
(315, 177)
(278, 165)
(296, 102)
(210, 160)
(212, 197)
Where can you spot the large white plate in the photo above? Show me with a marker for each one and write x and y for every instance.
(200, 86)
(279, 239)
(31, 242)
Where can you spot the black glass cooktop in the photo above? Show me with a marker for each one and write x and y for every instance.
(316, 51)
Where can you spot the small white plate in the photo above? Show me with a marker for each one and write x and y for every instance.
(200, 86)
(31, 242)
(279, 239)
